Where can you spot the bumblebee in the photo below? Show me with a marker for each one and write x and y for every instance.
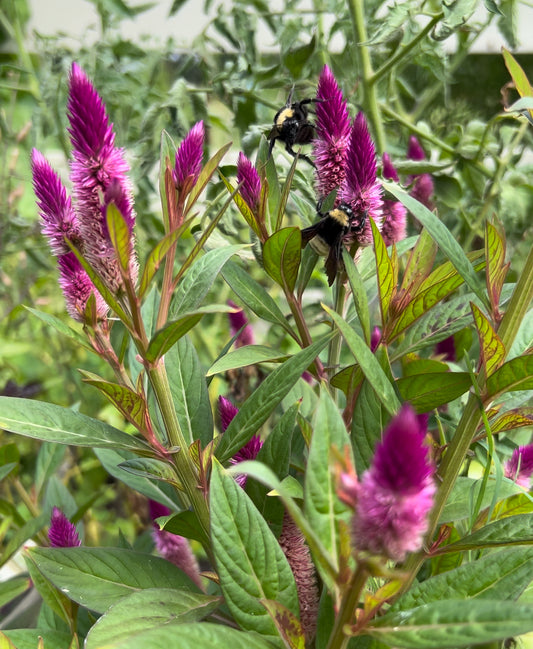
(326, 235)
(292, 126)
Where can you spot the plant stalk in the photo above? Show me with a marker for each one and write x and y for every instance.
(350, 600)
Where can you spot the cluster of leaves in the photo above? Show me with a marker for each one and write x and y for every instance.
(427, 290)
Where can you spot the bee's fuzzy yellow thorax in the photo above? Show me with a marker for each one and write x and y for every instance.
(285, 114)
(340, 216)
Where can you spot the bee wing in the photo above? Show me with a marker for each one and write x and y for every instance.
(310, 232)
(332, 262)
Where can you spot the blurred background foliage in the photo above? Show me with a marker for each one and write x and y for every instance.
(449, 98)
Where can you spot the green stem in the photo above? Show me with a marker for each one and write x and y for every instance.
(370, 100)
(350, 600)
(334, 351)
(404, 51)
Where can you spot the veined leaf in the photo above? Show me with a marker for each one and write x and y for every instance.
(358, 292)
(492, 349)
(244, 356)
(281, 257)
(368, 363)
(26, 638)
(148, 467)
(287, 624)
(205, 175)
(496, 268)
(145, 610)
(443, 237)
(120, 236)
(512, 530)
(516, 418)
(386, 275)
(516, 374)
(261, 403)
(523, 86)
(52, 423)
(431, 390)
(60, 326)
(419, 264)
(249, 559)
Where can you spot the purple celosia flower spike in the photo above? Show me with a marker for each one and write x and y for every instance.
(99, 177)
(62, 533)
(173, 547)
(251, 183)
(423, 187)
(332, 134)
(394, 225)
(415, 150)
(397, 491)
(238, 322)
(295, 549)
(227, 412)
(60, 223)
(189, 159)
(361, 189)
(389, 170)
(520, 467)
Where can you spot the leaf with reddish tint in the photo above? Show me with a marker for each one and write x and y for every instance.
(205, 175)
(516, 374)
(518, 75)
(386, 274)
(428, 391)
(492, 349)
(242, 205)
(285, 195)
(128, 402)
(496, 268)
(281, 257)
(287, 624)
(420, 263)
(517, 418)
(166, 155)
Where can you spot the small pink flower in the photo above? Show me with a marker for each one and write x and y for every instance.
(189, 155)
(239, 322)
(296, 551)
(361, 189)
(173, 547)
(520, 467)
(422, 184)
(375, 338)
(389, 170)
(332, 134)
(62, 533)
(394, 225)
(251, 183)
(397, 491)
(415, 150)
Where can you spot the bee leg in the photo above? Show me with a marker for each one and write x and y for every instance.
(271, 148)
(302, 156)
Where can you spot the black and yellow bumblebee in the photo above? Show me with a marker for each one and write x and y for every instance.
(292, 126)
(326, 235)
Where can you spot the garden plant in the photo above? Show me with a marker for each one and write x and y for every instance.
(297, 408)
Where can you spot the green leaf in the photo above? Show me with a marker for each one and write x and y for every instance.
(516, 418)
(261, 403)
(322, 506)
(60, 326)
(52, 423)
(287, 624)
(244, 356)
(148, 609)
(157, 255)
(453, 624)
(505, 575)
(192, 635)
(512, 530)
(491, 347)
(281, 257)
(27, 638)
(196, 283)
(368, 422)
(496, 269)
(119, 235)
(465, 493)
(49, 459)
(385, 273)
(419, 264)
(13, 587)
(368, 363)
(242, 205)
(516, 374)
(205, 175)
(97, 578)
(249, 559)
(358, 292)
(167, 154)
(185, 524)
(516, 71)
(456, 14)
(431, 390)
(254, 295)
(147, 467)
(189, 392)
(444, 239)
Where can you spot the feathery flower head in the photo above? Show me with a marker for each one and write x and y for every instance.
(415, 150)
(361, 189)
(77, 288)
(422, 188)
(238, 321)
(332, 134)
(296, 551)
(173, 547)
(389, 170)
(397, 491)
(99, 175)
(251, 183)
(227, 412)
(248, 452)
(520, 466)
(394, 225)
(62, 533)
(188, 162)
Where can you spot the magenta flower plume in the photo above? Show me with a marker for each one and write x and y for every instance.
(389, 170)
(188, 162)
(239, 322)
(99, 177)
(415, 150)
(397, 491)
(62, 533)
(227, 412)
(394, 225)
(332, 134)
(375, 338)
(422, 184)
(520, 467)
(248, 452)
(173, 547)
(361, 189)
(296, 551)
(59, 222)
(251, 183)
